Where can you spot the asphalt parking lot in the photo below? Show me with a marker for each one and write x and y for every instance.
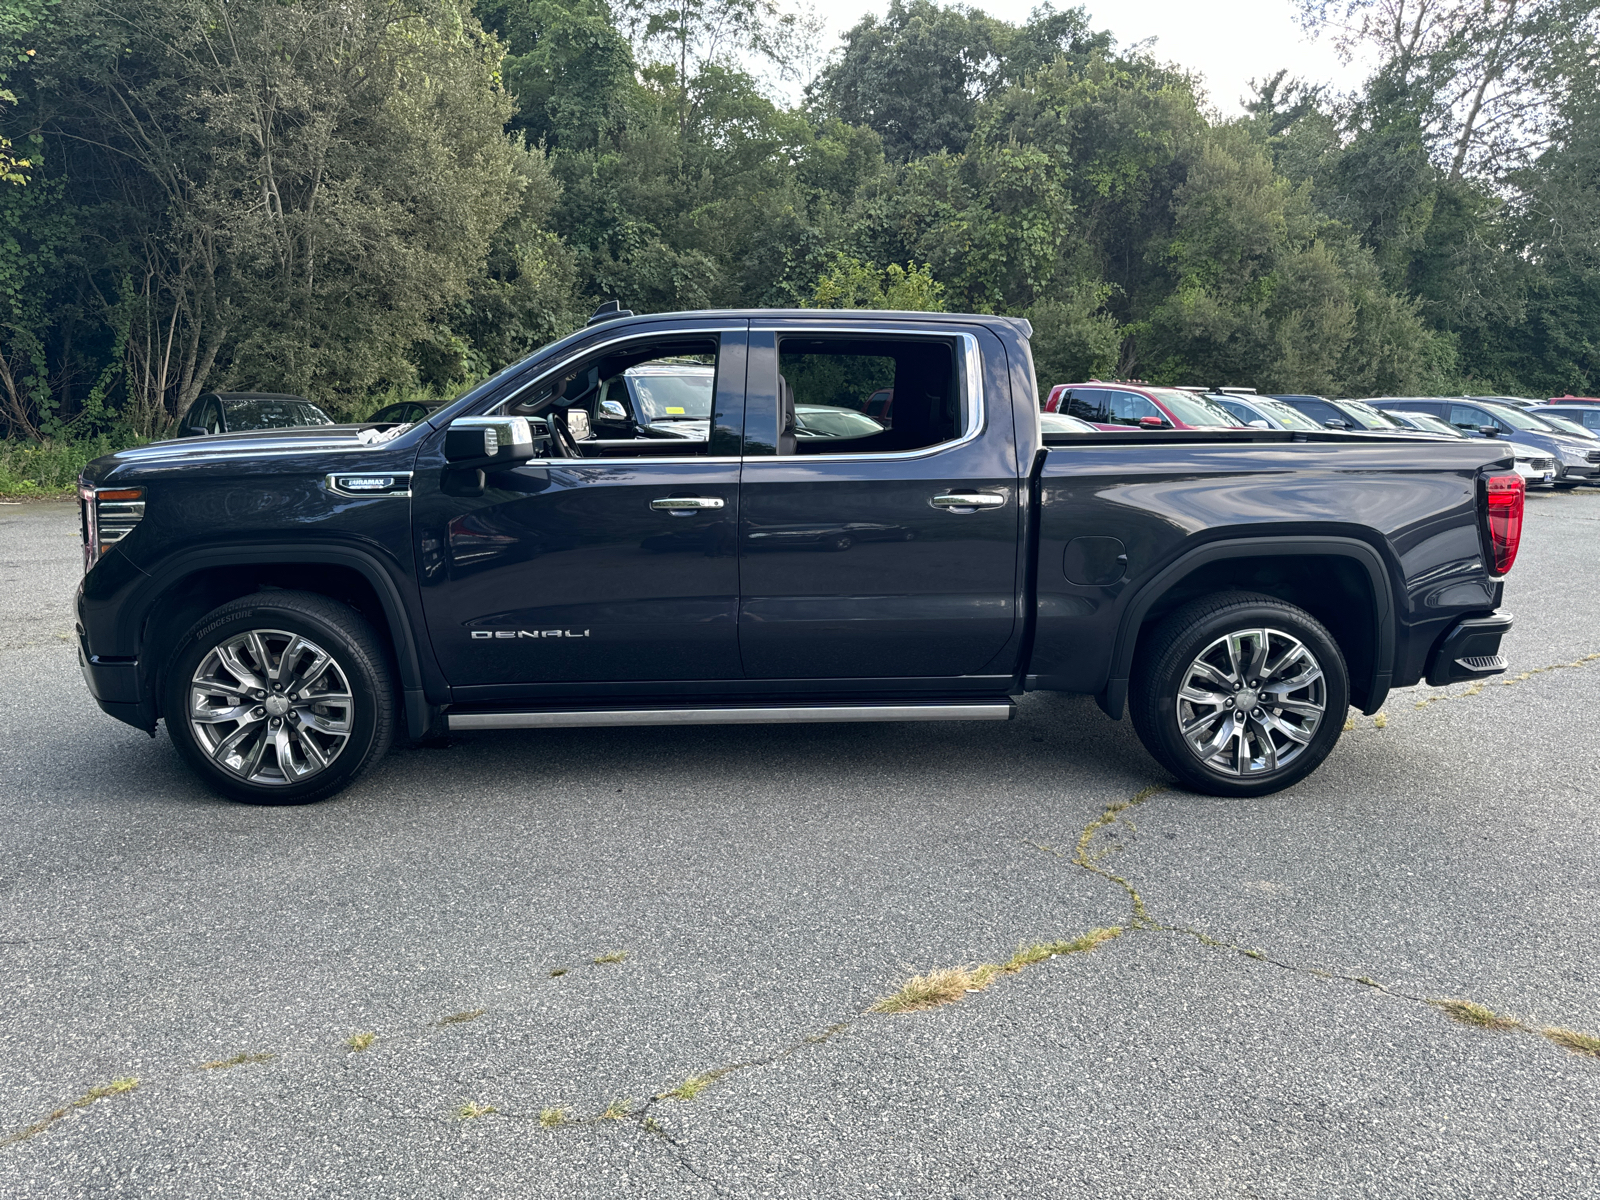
(1263, 1027)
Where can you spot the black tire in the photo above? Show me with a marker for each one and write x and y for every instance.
(1176, 654)
(352, 698)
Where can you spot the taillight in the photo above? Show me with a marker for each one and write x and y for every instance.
(108, 516)
(1505, 496)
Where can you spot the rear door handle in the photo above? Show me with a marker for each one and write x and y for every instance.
(967, 502)
(687, 505)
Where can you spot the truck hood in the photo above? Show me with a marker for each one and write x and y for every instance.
(261, 443)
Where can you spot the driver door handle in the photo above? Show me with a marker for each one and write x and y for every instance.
(684, 504)
(966, 502)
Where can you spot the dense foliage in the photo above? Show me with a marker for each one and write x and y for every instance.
(346, 198)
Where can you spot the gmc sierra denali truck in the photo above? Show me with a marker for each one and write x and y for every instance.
(533, 556)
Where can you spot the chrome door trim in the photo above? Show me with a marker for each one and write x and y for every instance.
(970, 362)
(592, 718)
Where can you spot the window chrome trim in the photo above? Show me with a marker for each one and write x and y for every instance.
(571, 463)
(969, 362)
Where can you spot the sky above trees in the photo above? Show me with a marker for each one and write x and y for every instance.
(1228, 42)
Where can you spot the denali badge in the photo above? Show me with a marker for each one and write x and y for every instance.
(528, 633)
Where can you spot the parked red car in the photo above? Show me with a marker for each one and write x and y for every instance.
(1573, 400)
(1113, 406)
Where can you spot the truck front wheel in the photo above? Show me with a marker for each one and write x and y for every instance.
(1239, 694)
(280, 697)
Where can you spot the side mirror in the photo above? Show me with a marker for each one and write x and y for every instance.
(1336, 424)
(195, 431)
(612, 410)
(1152, 423)
(1489, 430)
(491, 441)
(1258, 423)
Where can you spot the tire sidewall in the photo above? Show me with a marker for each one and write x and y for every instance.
(365, 685)
(1177, 755)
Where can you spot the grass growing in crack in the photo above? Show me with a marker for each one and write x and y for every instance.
(1026, 956)
(619, 1109)
(558, 972)
(928, 991)
(99, 1092)
(462, 1017)
(552, 1118)
(472, 1110)
(1084, 855)
(689, 1088)
(1476, 1015)
(360, 1041)
(1570, 1039)
(238, 1060)
(615, 956)
(951, 984)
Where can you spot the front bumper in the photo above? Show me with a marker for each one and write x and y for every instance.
(117, 688)
(1470, 650)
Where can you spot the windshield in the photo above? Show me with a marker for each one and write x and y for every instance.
(1192, 410)
(1286, 415)
(685, 397)
(1366, 416)
(1429, 423)
(1517, 419)
(1564, 425)
(273, 414)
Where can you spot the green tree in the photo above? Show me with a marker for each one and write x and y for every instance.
(296, 191)
(851, 283)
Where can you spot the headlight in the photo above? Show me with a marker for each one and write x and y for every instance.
(108, 515)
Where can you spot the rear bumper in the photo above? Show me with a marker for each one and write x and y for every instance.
(116, 687)
(1470, 650)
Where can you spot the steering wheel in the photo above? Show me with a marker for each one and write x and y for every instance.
(563, 436)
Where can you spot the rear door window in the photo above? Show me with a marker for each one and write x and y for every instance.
(1127, 408)
(866, 395)
(1089, 404)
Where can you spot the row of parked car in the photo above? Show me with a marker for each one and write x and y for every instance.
(1555, 442)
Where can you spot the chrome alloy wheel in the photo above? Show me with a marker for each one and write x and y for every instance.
(270, 706)
(1251, 701)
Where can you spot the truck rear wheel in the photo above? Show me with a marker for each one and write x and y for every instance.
(1239, 694)
(280, 697)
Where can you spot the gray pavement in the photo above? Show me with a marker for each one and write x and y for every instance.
(767, 885)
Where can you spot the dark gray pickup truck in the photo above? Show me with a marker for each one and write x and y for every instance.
(856, 519)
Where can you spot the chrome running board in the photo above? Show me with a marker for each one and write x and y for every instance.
(745, 715)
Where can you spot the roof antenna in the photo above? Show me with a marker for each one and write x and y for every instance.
(609, 311)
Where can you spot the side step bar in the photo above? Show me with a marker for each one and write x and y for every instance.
(744, 715)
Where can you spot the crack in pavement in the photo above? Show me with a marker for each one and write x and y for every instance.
(1086, 857)
(1476, 688)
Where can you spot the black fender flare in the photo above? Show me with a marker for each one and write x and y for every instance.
(414, 680)
(1114, 698)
